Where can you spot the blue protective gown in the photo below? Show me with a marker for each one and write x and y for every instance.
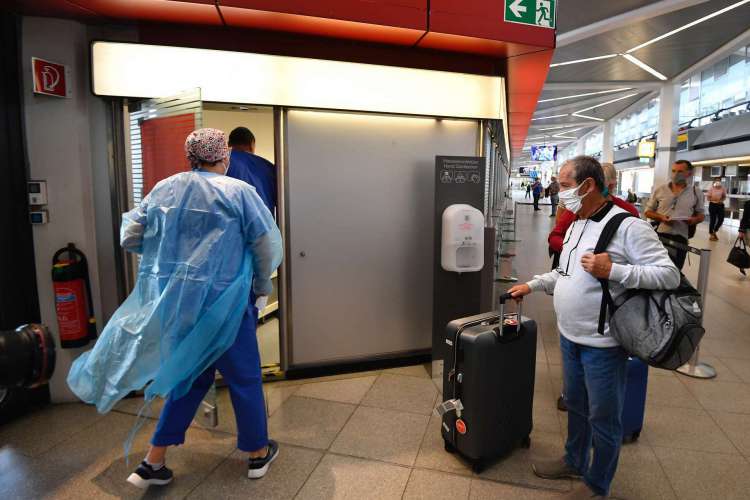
(204, 239)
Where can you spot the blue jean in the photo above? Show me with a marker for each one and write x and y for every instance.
(240, 367)
(554, 200)
(594, 388)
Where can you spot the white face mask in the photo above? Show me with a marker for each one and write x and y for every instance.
(571, 200)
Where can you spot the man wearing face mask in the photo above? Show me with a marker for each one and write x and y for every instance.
(594, 364)
(677, 206)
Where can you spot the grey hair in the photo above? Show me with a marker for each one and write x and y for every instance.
(610, 173)
(585, 167)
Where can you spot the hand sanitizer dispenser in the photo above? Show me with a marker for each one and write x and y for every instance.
(462, 249)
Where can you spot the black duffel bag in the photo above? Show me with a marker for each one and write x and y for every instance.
(739, 257)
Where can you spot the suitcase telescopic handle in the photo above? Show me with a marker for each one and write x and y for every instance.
(503, 299)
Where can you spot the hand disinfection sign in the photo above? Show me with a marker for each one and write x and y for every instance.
(462, 248)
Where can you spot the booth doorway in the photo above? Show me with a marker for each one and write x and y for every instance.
(156, 131)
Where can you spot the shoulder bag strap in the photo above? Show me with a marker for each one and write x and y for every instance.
(610, 228)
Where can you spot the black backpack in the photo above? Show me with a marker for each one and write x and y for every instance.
(660, 327)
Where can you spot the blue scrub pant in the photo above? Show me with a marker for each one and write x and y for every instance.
(240, 367)
(594, 386)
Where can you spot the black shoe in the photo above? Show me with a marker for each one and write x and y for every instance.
(257, 467)
(145, 476)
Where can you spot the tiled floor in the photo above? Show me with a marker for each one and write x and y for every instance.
(373, 434)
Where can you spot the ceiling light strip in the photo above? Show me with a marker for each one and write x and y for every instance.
(577, 61)
(577, 115)
(689, 25)
(548, 117)
(645, 66)
(586, 94)
(604, 103)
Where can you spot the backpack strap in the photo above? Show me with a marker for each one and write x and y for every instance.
(610, 228)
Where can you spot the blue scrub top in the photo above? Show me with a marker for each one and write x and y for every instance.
(256, 171)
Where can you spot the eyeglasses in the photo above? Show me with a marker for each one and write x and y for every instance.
(560, 271)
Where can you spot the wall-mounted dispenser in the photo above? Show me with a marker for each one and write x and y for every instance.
(462, 248)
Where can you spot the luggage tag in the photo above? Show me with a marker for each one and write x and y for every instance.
(449, 406)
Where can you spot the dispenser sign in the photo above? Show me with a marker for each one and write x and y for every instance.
(51, 78)
(541, 13)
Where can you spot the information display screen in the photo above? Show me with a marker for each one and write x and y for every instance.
(548, 152)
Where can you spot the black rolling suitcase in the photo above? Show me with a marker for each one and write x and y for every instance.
(488, 385)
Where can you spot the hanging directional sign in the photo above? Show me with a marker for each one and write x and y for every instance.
(534, 12)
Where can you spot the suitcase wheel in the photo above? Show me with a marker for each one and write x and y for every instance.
(449, 447)
(526, 442)
(477, 466)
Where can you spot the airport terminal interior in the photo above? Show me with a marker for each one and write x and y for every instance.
(421, 164)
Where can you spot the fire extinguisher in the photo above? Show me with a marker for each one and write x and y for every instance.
(75, 309)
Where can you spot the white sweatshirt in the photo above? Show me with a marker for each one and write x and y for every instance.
(639, 260)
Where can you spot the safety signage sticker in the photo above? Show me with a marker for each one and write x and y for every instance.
(533, 12)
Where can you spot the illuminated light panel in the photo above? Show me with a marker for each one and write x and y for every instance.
(577, 61)
(577, 113)
(548, 117)
(586, 94)
(689, 25)
(556, 127)
(734, 159)
(588, 117)
(645, 66)
(135, 70)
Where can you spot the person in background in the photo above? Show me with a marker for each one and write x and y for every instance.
(554, 189)
(246, 166)
(632, 198)
(676, 206)
(745, 221)
(528, 190)
(566, 218)
(537, 190)
(594, 364)
(716, 196)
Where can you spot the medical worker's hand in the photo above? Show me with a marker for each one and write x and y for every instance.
(598, 265)
(261, 302)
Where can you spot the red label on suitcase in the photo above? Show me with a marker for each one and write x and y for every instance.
(461, 426)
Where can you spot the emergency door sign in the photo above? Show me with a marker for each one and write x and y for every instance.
(532, 12)
(50, 78)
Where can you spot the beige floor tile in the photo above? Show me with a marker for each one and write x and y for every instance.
(284, 479)
(640, 475)
(397, 392)
(387, 435)
(516, 467)
(736, 347)
(733, 397)
(327, 378)
(431, 485)
(432, 454)
(737, 427)
(656, 372)
(723, 372)
(350, 390)
(347, 478)
(39, 431)
(411, 371)
(740, 367)
(669, 391)
(106, 476)
(276, 395)
(308, 422)
(696, 475)
(25, 477)
(490, 490)
(546, 420)
(684, 428)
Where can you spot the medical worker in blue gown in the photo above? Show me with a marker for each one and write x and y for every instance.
(206, 241)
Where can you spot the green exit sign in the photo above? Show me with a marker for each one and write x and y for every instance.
(532, 12)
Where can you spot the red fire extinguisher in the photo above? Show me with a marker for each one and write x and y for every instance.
(75, 309)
